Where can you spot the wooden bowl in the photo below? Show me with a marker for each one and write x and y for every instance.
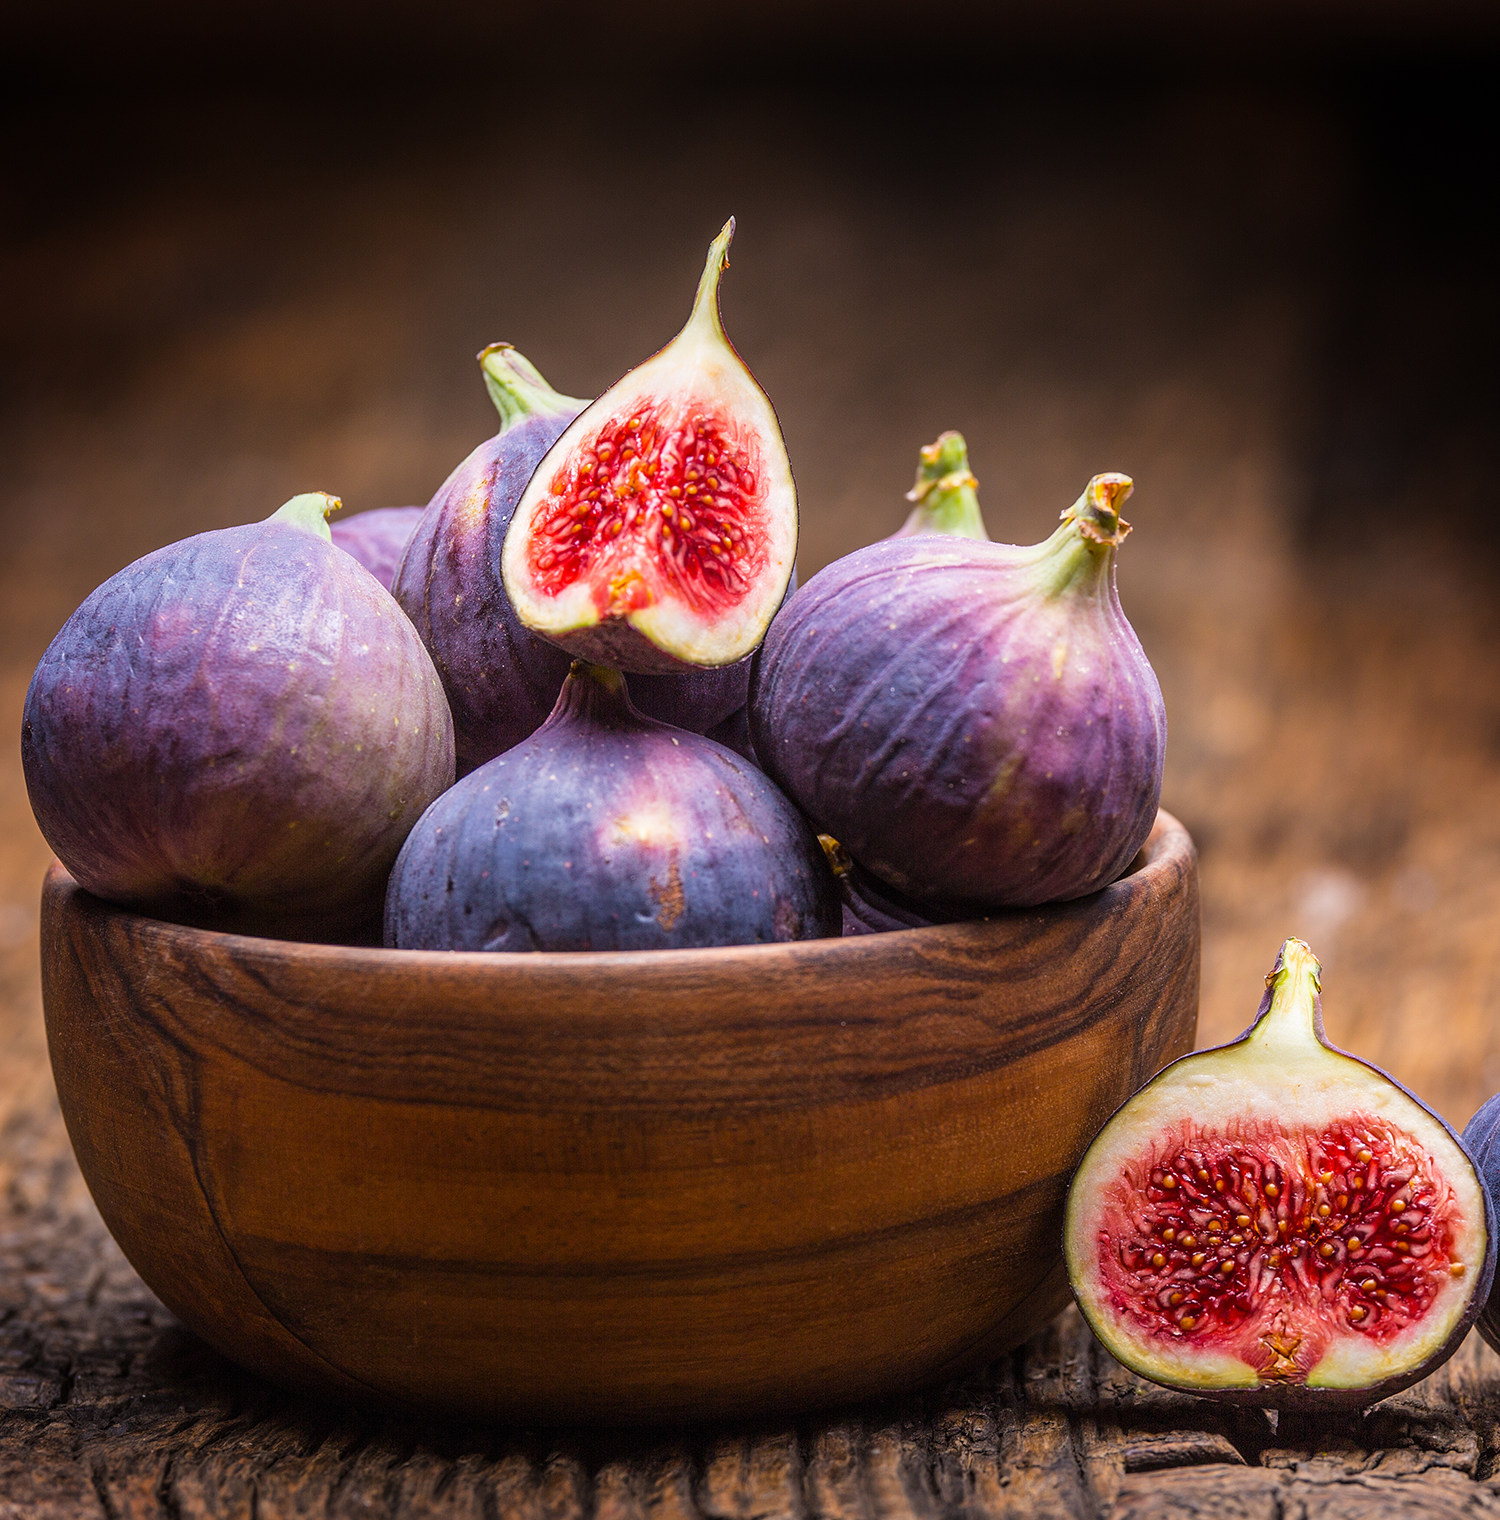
(622, 1187)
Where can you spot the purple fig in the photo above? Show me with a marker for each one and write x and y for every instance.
(238, 730)
(606, 830)
(1482, 1139)
(946, 493)
(500, 678)
(1277, 1222)
(871, 907)
(377, 539)
(974, 722)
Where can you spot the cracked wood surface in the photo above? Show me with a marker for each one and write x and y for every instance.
(109, 1410)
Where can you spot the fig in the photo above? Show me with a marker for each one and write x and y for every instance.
(500, 679)
(946, 493)
(238, 731)
(606, 830)
(661, 528)
(871, 907)
(975, 722)
(377, 538)
(1482, 1138)
(1276, 1222)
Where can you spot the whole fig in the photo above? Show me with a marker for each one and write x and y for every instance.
(1276, 1222)
(1482, 1138)
(377, 539)
(606, 830)
(500, 678)
(974, 722)
(238, 730)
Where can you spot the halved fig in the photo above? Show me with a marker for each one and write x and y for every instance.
(660, 529)
(1276, 1222)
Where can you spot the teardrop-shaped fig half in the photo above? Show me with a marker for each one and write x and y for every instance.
(1276, 1222)
(661, 528)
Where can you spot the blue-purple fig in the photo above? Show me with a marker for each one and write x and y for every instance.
(501, 679)
(974, 722)
(238, 730)
(661, 529)
(606, 830)
(946, 495)
(872, 907)
(377, 539)
(1277, 1222)
(1482, 1139)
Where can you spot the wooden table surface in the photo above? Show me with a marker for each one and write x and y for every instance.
(1183, 287)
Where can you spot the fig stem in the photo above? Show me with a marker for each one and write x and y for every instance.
(517, 388)
(1097, 511)
(946, 492)
(706, 302)
(1290, 1015)
(309, 511)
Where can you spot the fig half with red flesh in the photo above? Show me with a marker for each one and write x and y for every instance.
(660, 529)
(1276, 1222)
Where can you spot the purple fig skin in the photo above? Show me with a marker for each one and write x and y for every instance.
(500, 678)
(702, 700)
(238, 731)
(974, 722)
(1481, 1138)
(606, 830)
(871, 907)
(377, 539)
(1300, 1397)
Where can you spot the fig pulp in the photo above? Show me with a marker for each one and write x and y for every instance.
(1482, 1138)
(606, 830)
(661, 528)
(377, 539)
(1277, 1222)
(500, 679)
(238, 730)
(974, 722)
(946, 493)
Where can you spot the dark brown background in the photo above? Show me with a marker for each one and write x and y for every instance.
(1239, 254)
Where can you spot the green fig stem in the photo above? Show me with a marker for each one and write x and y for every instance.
(1080, 551)
(706, 302)
(946, 492)
(309, 511)
(517, 388)
(1292, 1019)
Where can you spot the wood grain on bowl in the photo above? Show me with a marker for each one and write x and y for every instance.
(612, 1186)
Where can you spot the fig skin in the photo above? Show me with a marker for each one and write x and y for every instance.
(871, 907)
(238, 731)
(974, 722)
(1481, 1137)
(501, 679)
(1281, 1072)
(377, 539)
(606, 830)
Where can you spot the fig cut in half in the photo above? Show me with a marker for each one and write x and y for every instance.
(660, 529)
(1275, 1222)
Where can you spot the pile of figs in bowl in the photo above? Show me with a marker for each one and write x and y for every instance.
(526, 956)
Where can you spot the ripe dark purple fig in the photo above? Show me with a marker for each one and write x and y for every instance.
(661, 529)
(606, 830)
(501, 679)
(1482, 1138)
(1276, 1222)
(946, 493)
(974, 722)
(238, 730)
(871, 907)
(377, 539)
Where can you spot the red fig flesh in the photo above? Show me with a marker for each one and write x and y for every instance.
(661, 528)
(1277, 1222)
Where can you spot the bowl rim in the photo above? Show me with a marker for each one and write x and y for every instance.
(1168, 852)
